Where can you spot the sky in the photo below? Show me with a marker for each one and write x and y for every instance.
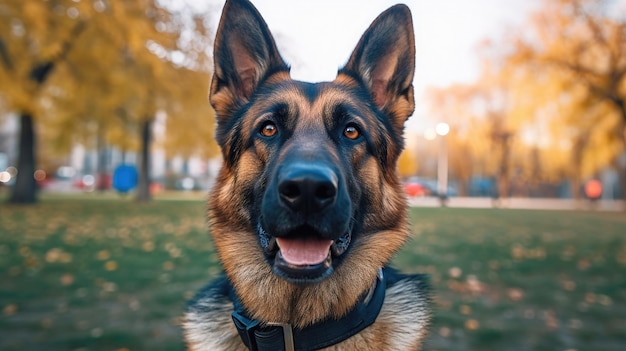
(317, 37)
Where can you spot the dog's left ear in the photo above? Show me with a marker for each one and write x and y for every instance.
(245, 53)
(384, 60)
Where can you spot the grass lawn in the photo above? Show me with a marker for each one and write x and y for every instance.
(81, 273)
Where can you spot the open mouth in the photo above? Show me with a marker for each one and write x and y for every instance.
(303, 256)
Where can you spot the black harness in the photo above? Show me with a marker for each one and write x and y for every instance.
(283, 337)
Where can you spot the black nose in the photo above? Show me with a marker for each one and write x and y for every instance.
(307, 188)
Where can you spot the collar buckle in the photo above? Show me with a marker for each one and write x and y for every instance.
(262, 338)
(287, 335)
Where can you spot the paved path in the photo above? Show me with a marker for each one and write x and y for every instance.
(521, 203)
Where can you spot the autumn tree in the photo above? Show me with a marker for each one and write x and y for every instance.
(552, 89)
(451, 104)
(583, 42)
(97, 70)
(35, 38)
(190, 121)
(482, 131)
(407, 163)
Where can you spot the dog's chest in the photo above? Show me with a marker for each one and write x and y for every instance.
(401, 324)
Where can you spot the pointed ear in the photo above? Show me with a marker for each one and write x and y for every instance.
(384, 60)
(245, 53)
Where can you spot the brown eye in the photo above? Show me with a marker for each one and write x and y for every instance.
(268, 129)
(351, 132)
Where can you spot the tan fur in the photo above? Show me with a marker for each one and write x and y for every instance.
(267, 297)
(401, 325)
(334, 296)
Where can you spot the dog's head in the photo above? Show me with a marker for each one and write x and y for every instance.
(308, 195)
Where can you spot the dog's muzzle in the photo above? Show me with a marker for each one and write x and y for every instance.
(305, 222)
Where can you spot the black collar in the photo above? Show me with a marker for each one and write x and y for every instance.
(277, 337)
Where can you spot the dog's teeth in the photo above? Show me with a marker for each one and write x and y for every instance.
(268, 242)
(270, 246)
(337, 250)
(340, 246)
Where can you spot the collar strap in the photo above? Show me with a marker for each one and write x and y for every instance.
(283, 337)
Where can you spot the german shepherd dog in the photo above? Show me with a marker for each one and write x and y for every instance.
(307, 209)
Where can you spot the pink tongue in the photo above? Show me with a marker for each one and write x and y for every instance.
(304, 251)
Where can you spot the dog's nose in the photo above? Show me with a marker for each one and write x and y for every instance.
(307, 188)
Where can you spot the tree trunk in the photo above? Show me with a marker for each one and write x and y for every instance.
(102, 176)
(503, 178)
(580, 144)
(143, 187)
(622, 171)
(25, 188)
(621, 134)
(575, 186)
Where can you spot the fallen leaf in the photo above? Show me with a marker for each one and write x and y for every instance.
(168, 265)
(515, 294)
(103, 255)
(472, 324)
(583, 264)
(455, 272)
(9, 309)
(465, 309)
(110, 266)
(53, 255)
(67, 279)
(148, 246)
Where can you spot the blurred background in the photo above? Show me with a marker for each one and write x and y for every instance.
(107, 152)
(530, 94)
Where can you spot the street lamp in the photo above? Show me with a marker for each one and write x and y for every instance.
(442, 129)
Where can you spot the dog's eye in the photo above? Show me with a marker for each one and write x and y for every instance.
(352, 132)
(268, 129)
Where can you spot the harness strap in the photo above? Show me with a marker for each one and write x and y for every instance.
(282, 337)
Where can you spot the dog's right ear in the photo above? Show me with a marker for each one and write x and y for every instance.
(244, 53)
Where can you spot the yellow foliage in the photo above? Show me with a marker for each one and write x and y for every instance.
(547, 101)
(407, 164)
(105, 76)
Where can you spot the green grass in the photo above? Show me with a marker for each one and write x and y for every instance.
(522, 280)
(78, 273)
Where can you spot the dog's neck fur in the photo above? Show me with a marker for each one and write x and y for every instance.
(401, 324)
(258, 288)
(323, 334)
